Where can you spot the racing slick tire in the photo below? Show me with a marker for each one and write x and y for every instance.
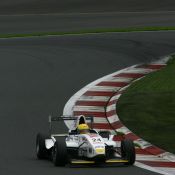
(41, 151)
(59, 153)
(128, 151)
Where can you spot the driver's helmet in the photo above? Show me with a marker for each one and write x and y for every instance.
(83, 128)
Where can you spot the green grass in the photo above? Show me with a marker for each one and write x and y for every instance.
(148, 107)
(90, 31)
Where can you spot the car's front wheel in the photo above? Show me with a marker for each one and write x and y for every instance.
(128, 151)
(59, 153)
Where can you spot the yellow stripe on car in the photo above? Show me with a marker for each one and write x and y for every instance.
(100, 150)
(116, 161)
(82, 162)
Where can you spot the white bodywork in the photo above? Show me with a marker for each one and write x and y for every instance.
(88, 145)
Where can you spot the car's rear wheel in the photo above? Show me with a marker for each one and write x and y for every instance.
(128, 151)
(59, 153)
(41, 150)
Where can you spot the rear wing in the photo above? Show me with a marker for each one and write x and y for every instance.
(67, 118)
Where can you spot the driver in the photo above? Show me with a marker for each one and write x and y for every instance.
(83, 128)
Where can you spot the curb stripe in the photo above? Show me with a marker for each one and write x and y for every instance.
(104, 88)
(98, 93)
(112, 102)
(110, 113)
(99, 99)
(102, 126)
(111, 108)
(119, 79)
(130, 75)
(152, 66)
(154, 150)
(131, 136)
(113, 118)
(142, 151)
(94, 98)
(88, 113)
(116, 125)
(89, 108)
(143, 157)
(90, 103)
(139, 70)
(159, 163)
(115, 84)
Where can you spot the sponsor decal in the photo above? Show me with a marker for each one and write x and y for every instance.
(100, 150)
(95, 140)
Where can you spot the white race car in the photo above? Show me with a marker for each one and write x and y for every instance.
(91, 147)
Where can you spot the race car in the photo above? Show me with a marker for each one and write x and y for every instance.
(83, 145)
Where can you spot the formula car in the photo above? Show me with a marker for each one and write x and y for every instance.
(83, 145)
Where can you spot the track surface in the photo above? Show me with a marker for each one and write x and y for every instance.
(55, 6)
(83, 21)
(25, 16)
(38, 75)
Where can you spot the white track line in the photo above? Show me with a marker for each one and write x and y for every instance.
(89, 108)
(153, 169)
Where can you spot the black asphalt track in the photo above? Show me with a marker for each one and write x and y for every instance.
(38, 76)
(76, 15)
(83, 21)
(69, 6)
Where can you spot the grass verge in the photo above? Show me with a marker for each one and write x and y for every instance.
(90, 31)
(148, 107)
